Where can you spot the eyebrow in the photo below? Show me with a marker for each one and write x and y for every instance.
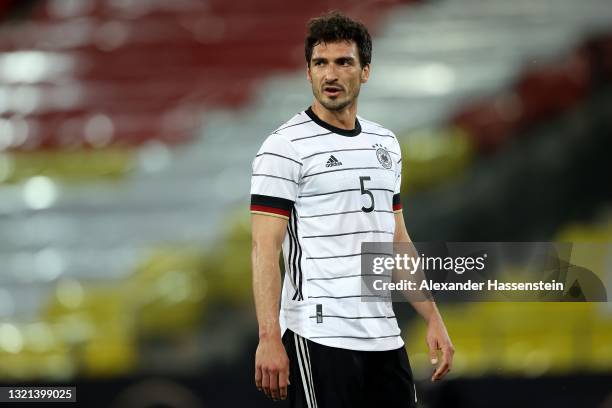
(346, 58)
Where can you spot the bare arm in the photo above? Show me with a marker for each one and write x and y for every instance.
(268, 233)
(271, 361)
(437, 335)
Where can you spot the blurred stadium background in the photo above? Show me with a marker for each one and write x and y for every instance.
(127, 130)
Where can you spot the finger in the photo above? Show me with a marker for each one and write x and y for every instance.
(258, 376)
(265, 383)
(447, 353)
(440, 372)
(283, 392)
(283, 382)
(446, 364)
(274, 392)
(433, 352)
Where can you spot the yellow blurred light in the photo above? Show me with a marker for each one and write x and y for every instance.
(69, 293)
(7, 166)
(69, 165)
(433, 156)
(174, 286)
(537, 363)
(39, 192)
(39, 336)
(11, 339)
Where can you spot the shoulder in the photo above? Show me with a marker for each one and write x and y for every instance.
(299, 127)
(367, 126)
(279, 142)
(373, 128)
(294, 126)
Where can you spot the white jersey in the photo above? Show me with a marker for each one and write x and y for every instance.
(337, 188)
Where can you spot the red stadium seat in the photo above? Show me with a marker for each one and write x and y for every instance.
(552, 89)
(136, 61)
(490, 123)
(539, 94)
(5, 7)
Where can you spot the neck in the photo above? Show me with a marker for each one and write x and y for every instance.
(343, 119)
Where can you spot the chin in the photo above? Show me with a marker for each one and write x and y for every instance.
(334, 105)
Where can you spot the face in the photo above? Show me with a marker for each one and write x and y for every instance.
(336, 75)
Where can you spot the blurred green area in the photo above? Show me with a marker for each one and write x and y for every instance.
(93, 329)
(530, 338)
(521, 339)
(66, 165)
(434, 156)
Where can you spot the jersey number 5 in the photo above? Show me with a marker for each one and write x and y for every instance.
(366, 192)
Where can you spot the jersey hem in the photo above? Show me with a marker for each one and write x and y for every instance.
(391, 343)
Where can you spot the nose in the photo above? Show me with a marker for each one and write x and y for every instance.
(330, 74)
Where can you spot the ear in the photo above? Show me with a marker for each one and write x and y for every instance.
(365, 74)
(308, 76)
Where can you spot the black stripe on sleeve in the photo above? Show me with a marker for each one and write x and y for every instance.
(397, 200)
(273, 176)
(278, 155)
(272, 202)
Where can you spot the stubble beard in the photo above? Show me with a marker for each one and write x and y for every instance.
(337, 104)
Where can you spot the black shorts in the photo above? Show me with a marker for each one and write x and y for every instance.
(329, 377)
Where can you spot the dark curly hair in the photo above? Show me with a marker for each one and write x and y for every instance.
(334, 26)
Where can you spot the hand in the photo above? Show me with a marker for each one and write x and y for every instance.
(272, 368)
(437, 339)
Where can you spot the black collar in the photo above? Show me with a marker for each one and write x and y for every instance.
(343, 132)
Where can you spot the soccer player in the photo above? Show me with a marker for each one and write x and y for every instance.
(322, 183)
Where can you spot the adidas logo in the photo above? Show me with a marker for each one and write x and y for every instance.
(332, 161)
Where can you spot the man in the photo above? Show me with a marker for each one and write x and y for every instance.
(322, 183)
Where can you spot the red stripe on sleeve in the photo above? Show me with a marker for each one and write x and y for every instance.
(272, 210)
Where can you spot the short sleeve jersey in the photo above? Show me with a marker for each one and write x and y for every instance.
(337, 188)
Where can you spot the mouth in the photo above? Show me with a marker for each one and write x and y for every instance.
(332, 91)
